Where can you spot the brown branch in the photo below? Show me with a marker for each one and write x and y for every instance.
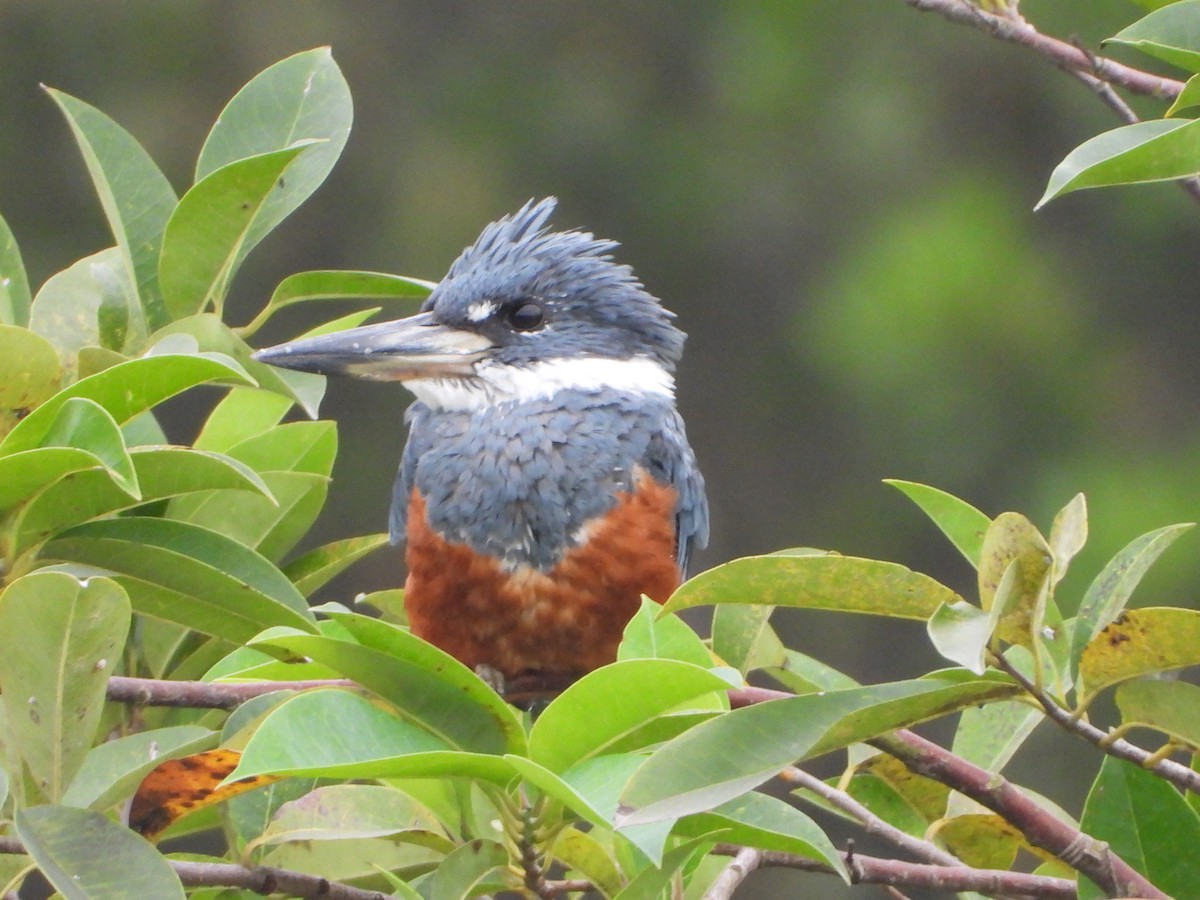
(870, 822)
(1015, 30)
(260, 879)
(566, 886)
(1040, 828)
(203, 694)
(1181, 776)
(873, 870)
(744, 862)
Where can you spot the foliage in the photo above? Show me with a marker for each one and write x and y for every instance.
(126, 556)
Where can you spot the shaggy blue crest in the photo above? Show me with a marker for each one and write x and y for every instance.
(592, 305)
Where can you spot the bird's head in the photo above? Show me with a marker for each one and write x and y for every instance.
(524, 311)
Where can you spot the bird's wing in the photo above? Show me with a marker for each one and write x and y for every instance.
(402, 491)
(669, 459)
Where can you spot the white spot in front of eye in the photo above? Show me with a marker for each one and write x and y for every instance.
(484, 309)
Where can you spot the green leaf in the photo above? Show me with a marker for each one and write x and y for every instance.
(837, 583)
(217, 223)
(29, 373)
(112, 771)
(980, 839)
(127, 390)
(1158, 150)
(88, 857)
(344, 285)
(14, 283)
(136, 196)
(1168, 34)
(368, 742)
(650, 635)
(1108, 594)
(962, 523)
(92, 304)
(315, 569)
(1068, 534)
(84, 424)
(60, 638)
(475, 868)
(804, 674)
(728, 755)
(301, 98)
(424, 683)
(349, 811)
(582, 853)
(610, 703)
(22, 475)
(743, 637)
(212, 335)
(189, 575)
(162, 472)
(1148, 824)
(243, 414)
(655, 882)
(1188, 98)
(1139, 642)
(1172, 707)
(756, 820)
(989, 736)
(961, 632)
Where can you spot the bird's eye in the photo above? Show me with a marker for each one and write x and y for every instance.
(526, 316)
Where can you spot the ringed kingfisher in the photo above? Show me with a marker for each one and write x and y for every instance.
(547, 482)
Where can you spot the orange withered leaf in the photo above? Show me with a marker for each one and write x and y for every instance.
(181, 786)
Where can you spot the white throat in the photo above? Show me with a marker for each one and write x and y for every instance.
(493, 383)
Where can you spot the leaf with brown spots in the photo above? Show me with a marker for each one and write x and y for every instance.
(1010, 539)
(1139, 642)
(182, 786)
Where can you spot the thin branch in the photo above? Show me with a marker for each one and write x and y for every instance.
(873, 870)
(1015, 30)
(1181, 776)
(202, 694)
(871, 823)
(1085, 854)
(566, 886)
(732, 876)
(260, 879)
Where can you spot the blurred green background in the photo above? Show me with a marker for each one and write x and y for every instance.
(835, 197)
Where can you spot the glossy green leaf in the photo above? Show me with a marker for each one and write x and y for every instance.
(345, 285)
(962, 523)
(136, 197)
(757, 820)
(189, 575)
(88, 857)
(162, 473)
(301, 98)
(726, 756)
(217, 223)
(1188, 98)
(29, 374)
(804, 674)
(589, 789)
(1139, 642)
(295, 447)
(1168, 34)
(425, 684)
(1147, 823)
(86, 425)
(980, 839)
(338, 734)
(656, 881)
(1068, 534)
(1158, 150)
(112, 771)
(14, 283)
(475, 868)
(93, 304)
(315, 569)
(243, 413)
(988, 736)
(650, 635)
(581, 852)
(22, 475)
(1108, 594)
(127, 390)
(831, 582)
(1172, 707)
(608, 704)
(60, 639)
(742, 636)
(212, 335)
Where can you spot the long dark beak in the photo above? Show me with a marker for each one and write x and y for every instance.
(416, 347)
